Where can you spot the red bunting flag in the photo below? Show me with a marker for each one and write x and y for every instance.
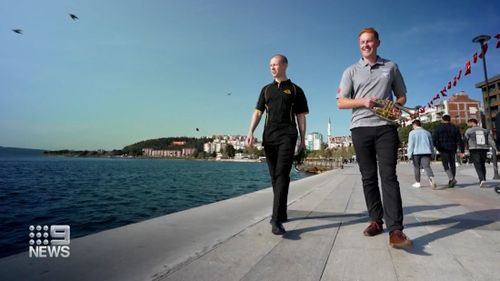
(443, 93)
(454, 81)
(467, 68)
(435, 97)
(422, 110)
(474, 57)
(444, 89)
(485, 49)
(498, 40)
(449, 85)
(459, 74)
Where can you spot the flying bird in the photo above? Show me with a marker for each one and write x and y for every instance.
(197, 129)
(229, 94)
(73, 17)
(18, 31)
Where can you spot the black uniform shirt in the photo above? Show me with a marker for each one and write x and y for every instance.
(282, 102)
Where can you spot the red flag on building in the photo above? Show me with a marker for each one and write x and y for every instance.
(444, 89)
(422, 110)
(443, 93)
(459, 74)
(449, 85)
(485, 49)
(474, 57)
(435, 97)
(454, 81)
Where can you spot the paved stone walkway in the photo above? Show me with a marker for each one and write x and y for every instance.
(456, 234)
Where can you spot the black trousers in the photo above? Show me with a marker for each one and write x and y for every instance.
(448, 161)
(478, 157)
(279, 161)
(379, 145)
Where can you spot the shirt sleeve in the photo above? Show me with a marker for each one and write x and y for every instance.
(398, 84)
(410, 145)
(345, 89)
(261, 103)
(300, 103)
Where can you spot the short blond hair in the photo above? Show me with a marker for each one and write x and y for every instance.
(369, 30)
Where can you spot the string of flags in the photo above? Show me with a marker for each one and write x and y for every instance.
(453, 82)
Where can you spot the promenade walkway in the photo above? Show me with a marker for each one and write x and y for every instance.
(456, 234)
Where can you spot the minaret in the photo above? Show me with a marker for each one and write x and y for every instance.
(329, 132)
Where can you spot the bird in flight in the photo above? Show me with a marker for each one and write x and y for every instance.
(73, 17)
(229, 93)
(197, 129)
(18, 31)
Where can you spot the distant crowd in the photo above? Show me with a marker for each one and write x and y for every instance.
(447, 141)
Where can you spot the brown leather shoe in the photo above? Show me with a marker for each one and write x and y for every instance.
(398, 240)
(374, 228)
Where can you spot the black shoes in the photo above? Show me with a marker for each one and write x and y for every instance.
(451, 183)
(279, 220)
(277, 228)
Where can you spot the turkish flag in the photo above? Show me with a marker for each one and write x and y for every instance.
(454, 81)
(435, 97)
(443, 93)
(467, 68)
(459, 74)
(474, 57)
(485, 49)
(444, 89)
(449, 85)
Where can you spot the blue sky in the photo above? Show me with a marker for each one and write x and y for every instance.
(134, 70)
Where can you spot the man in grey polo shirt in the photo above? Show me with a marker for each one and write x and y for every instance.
(375, 139)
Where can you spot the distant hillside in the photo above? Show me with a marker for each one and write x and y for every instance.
(165, 143)
(14, 151)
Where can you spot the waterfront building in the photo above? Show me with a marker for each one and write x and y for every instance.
(340, 142)
(164, 153)
(494, 96)
(314, 141)
(220, 143)
(459, 106)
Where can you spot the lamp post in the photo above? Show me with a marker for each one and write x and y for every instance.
(481, 39)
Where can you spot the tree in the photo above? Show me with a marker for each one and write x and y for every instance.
(230, 151)
(252, 152)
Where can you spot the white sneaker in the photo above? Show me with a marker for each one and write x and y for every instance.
(433, 183)
(416, 185)
(482, 184)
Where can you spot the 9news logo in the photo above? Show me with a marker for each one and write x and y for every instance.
(42, 247)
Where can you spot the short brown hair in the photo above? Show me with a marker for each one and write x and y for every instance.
(369, 30)
(282, 58)
(417, 122)
(472, 120)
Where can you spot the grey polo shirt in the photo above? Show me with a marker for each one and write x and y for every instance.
(362, 80)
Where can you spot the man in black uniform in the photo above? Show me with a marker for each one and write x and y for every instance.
(286, 106)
